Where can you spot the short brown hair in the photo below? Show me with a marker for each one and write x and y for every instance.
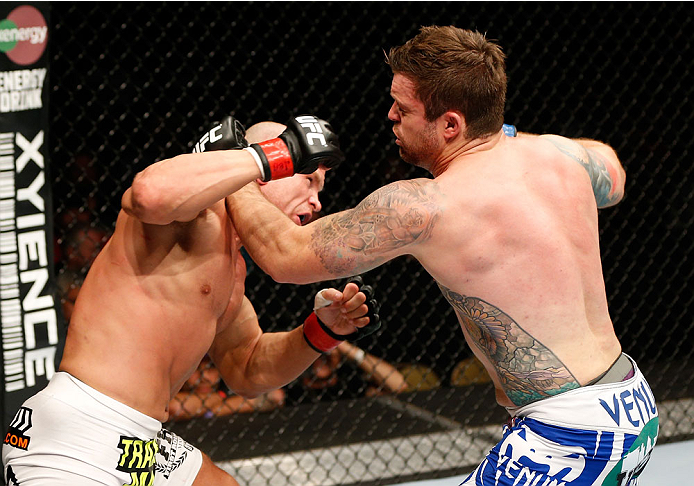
(455, 69)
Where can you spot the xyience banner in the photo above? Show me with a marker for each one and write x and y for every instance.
(31, 337)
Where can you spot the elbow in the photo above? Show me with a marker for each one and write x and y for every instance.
(619, 185)
(146, 201)
(282, 274)
(246, 383)
(285, 264)
(289, 274)
(622, 178)
(252, 387)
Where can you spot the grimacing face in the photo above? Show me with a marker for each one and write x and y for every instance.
(415, 135)
(297, 196)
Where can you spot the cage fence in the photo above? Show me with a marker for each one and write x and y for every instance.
(133, 83)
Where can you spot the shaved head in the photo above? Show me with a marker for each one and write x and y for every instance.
(264, 131)
(295, 196)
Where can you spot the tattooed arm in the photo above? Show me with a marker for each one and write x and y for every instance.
(392, 221)
(606, 173)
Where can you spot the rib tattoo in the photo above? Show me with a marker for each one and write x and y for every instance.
(527, 369)
(393, 217)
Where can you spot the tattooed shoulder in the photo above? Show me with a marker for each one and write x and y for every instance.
(379, 228)
(594, 163)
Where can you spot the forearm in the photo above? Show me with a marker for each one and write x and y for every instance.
(280, 247)
(354, 241)
(277, 359)
(384, 374)
(177, 189)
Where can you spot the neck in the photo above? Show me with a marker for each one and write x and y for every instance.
(456, 151)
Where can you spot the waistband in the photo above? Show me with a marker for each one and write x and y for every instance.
(625, 405)
(621, 370)
(85, 399)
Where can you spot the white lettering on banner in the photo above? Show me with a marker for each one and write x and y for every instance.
(39, 362)
(10, 305)
(35, 35)
(31, 221)
(30, 151)
(22, 79)
(20, 101)
(24, 255)
(21, 90)
(32, 246)
(31, 319)
(32, 300)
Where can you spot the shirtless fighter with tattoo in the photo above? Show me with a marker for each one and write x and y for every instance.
(508, 227)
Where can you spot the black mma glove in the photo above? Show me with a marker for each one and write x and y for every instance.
(373, 305)
(321, 338)
(307, 143)
(225, 135)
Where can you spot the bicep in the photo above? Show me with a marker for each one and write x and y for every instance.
(390, 222)
(601, 164)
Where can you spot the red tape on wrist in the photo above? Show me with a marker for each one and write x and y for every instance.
(316, 337)
(278, 157)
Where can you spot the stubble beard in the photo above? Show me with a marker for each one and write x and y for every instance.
(421, 155)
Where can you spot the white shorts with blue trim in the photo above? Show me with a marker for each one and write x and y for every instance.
(596, 435)
(71, 434)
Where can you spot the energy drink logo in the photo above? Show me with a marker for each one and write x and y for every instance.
(138, 459)
(16, 433)
(23, 35)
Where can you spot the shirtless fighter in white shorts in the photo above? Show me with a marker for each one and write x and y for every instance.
(167, 289)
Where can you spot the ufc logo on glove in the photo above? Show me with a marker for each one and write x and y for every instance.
(314, 131)
(211, 137)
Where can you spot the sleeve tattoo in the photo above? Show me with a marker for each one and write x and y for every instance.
(594, 163)
(388, 220)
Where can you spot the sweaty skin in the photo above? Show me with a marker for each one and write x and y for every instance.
(508, 228)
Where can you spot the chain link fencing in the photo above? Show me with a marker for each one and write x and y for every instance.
(132, 83)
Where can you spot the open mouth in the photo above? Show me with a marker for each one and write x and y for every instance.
(303, 218)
